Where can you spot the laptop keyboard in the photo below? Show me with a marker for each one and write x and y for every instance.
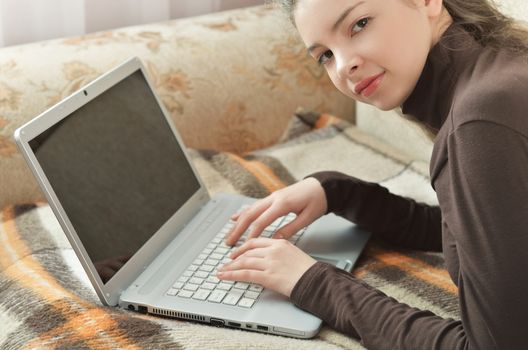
(199, 280)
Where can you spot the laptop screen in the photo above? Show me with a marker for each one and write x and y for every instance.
(118, 171)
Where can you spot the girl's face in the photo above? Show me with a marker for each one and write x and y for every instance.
(373, 50)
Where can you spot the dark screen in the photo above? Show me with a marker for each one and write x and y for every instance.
(118, 171)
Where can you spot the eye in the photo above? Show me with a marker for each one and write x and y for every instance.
(362, 23)
(327, 55)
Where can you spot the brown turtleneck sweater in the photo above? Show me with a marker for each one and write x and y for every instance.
(477, 101)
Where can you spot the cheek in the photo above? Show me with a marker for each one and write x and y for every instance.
(340, 84)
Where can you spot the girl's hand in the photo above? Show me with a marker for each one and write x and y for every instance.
(273, 263)
(305, 198)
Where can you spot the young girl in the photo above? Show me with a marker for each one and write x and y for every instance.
(460, 68)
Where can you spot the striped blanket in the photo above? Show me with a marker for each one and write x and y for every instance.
(46, 300)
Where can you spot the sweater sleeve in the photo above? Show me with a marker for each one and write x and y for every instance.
(486, 208)
(393, 218)
(380, 322)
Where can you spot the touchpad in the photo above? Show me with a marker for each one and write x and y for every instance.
(342, 264)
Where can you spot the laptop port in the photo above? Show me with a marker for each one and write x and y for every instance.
(217, 322)
(262, 328)
(249, 326)
(142, 309)
(234, 324)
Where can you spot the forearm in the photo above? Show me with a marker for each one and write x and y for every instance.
(380, 322)
(394, 218)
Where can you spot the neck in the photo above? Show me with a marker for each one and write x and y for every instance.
(448, 60)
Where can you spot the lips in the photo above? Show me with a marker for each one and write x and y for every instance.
(365, 83)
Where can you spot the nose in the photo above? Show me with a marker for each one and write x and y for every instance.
(346, 66)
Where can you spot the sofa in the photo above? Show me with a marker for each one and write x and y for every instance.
(256, 114)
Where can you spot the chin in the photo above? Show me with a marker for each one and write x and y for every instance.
(384, 105)
(388, 104)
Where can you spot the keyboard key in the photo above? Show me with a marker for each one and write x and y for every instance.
(212, 262)
(223, 245)
(178, 285)
(183, 279)
(255, 287)
(191, 287)
(246, 302)
(224, 286)
(185, 294)
(200, 274)
(203, 256)
(241, 285)
(196, 280)
(172, 291)
(275, 223)
(193, 268)
(213, 279)
(207, 251)
(216, 256)
(198, 262)
(206, 268)
(201, 294)
(216, 240)
(187, 273)
(251, 295)
(216, 296)
(221, 250)
(209, 286)
(233, 297)
(267, 233)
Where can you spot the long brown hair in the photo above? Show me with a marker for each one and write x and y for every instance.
(481, 18)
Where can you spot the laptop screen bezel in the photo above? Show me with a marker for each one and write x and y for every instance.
(108, 293)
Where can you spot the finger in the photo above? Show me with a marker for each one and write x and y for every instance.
(246, 218)
(264, 220)
(251, 244)
(251, 276)
(236, 215)
(293, 227)
(255, 253)
(244, 263)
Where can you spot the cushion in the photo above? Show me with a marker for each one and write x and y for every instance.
(46, 299)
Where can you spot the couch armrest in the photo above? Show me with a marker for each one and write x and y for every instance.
(229, 80)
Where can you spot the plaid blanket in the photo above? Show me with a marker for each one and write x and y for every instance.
(46, 300)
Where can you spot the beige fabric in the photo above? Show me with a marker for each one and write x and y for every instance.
(230, 81)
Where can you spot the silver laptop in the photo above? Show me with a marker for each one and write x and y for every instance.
(121, 184)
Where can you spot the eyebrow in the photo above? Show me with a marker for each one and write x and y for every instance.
(337, 23)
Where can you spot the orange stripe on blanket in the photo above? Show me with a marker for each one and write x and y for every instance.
(87, 327)
(326, 120)
(12, 245)
(27, 271)
(261, 172)
(432, 275)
